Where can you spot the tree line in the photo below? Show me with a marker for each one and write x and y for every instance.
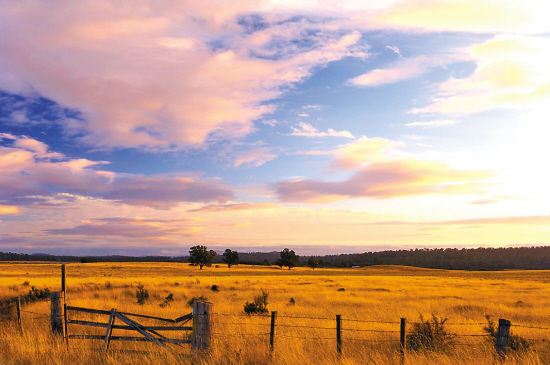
(437, 258)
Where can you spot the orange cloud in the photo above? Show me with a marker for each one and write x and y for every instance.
(384, 180)
(9, 210)
(361, 152)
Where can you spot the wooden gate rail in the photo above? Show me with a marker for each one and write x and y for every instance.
(149, 333)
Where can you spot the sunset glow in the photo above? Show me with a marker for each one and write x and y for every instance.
(257, 125)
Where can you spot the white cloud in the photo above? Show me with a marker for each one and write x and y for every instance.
(431, 123)
(307, 130)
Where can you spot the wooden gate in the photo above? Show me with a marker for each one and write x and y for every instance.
(199, 334)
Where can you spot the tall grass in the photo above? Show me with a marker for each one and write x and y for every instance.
(380, 294)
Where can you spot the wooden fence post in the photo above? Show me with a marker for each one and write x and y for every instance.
(403, 339)
(63, 279)
(18, 308)
(55, 315)
(200, 338)
(339, 334)
(272, 332)
(502, 337)
(65, 322)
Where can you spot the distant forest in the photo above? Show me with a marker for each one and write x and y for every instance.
(530, 258)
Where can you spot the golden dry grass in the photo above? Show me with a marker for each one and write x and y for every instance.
(381, 293)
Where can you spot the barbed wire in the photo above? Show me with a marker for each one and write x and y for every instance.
(532, 327)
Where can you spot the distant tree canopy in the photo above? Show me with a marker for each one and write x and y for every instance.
(527, 258)
(230, 257)
(201, 256)
(313, 262)
(288, 258)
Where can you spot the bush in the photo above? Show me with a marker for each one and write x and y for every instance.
(515, 342)
(35, 294)
(429, 335)
(214, 288)
(169, 298)
(200, 299)
(142, 294)
(259, 305)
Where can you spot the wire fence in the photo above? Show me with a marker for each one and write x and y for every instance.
(339, 330)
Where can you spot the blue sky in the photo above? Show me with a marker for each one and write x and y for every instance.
(345, 128)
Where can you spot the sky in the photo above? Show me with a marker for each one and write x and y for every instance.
(147, 127)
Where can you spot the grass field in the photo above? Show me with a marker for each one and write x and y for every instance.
(380, 294)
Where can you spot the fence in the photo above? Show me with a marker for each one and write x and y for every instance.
(338, 329)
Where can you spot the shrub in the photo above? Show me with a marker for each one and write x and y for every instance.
(259, 305)
(515, 342)
(169, 298)
(200, 299)
(291, 301)
(26, 283)
(429, 335)
(142, 294)
(34, 295)
(214, 288)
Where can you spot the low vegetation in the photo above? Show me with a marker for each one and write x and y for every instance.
(382, 294)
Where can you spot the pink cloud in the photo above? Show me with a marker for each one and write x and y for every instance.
(148, 76)
(255, 157)
(133, 228)
(384, 180)
(29, 176)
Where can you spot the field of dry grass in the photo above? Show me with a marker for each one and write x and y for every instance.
(380, 294)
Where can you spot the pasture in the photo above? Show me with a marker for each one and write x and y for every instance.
(370, 300)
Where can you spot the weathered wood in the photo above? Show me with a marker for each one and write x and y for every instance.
(123, 327)
(63, 279)
(138, 328)
(402, 337)
(125, 338)
(65, 321)
(55, 314)
(183, 318)
(272, 331)
(100, 311)
(18, 309)
(202, 320)
(502, 337)
(109, 330)
(339, 334)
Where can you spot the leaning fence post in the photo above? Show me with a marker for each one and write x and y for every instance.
(55, 315)
(200, 338)
(18, 308)
(272, 332)
(502, 337)
(339, 334)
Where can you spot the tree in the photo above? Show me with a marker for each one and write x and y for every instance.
(230, 257)
(288, 258)
(200, 255)
(313, 262)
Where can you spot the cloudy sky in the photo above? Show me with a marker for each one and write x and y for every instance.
(324, 126)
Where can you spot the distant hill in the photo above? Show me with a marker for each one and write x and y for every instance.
(528, 258)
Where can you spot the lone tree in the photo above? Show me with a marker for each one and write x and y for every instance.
(288, 258)
(200, 255)
(230, 257)
(313, 262)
